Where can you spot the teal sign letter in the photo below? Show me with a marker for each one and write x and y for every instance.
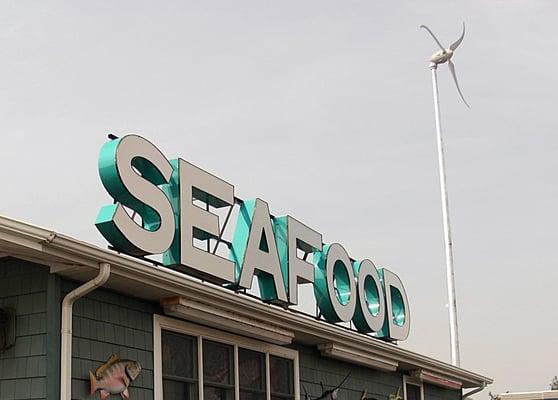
(255, 253)
(131, 169)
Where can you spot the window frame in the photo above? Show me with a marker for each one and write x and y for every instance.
(199, 332)
(409, 380)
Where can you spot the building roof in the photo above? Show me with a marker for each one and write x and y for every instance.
(187, 297)
(542, 395)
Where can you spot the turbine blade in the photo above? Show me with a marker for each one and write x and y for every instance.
(434, 36)
(458, 41)
(452, 70)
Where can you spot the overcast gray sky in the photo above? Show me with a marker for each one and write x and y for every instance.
(323, 109)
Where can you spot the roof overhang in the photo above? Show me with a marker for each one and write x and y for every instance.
(187, 297)
(542, 395)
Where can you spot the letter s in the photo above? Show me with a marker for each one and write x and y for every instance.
(131, 168)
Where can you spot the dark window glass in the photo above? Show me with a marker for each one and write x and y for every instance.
(176, 390)
(211, 392)
(218, 361)
(251, 374)
(281, 377)
(248, 395)
(413, 392)
(218, 371)
(179, 359)
(179, 355)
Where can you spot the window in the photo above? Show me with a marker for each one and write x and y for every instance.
(218, 371)
(281, 378)
(251, 371)
(179, 366)
(412, 388)
(231, 367)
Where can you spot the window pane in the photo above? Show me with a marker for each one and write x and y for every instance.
(413, 392)
(179, 355)
(174, 390)
(217, 362)
(215, 393)
(251, 369)
(245, 395)
(281, 371)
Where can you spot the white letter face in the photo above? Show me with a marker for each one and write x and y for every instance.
(398, 314)
(201, 224)
(292, 235)
(334, 285)
(258, 252)
(370, 311)
(131, 168)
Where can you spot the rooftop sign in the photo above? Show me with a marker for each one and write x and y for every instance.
(167, 196)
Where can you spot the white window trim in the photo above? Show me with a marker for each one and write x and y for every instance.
(161, 322)
(412, 381)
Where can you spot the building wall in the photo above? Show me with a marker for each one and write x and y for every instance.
(23, 367)
(379, 385)
(432, 392)
(315, 369)
(106, 322)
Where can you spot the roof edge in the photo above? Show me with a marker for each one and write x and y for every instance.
(47, 242)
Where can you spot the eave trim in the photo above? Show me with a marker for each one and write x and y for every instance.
(46, 242)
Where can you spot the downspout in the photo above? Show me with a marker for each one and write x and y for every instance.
(482, 387)
(66, 328)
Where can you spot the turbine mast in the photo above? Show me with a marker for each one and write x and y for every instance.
(452, 304)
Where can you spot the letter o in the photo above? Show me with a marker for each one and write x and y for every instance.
(370, 310)
(334, 285)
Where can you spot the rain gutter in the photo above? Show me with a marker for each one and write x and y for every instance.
(479, 389)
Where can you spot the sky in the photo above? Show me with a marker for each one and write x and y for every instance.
(323, 109)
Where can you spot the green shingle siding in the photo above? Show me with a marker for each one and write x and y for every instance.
(105, 322)
(23, 367)
(315, 369)
(432, 392)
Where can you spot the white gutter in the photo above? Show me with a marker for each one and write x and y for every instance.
(479, 389)
(66, 328)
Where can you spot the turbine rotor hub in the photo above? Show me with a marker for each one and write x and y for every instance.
(441, 57)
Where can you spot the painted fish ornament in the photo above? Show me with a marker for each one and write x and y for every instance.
(364, 395)
(113, 377)
(396, 396)
(332, 394)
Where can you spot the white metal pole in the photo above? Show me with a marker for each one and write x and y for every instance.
(454, 337)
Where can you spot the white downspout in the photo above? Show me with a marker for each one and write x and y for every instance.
(66, 328)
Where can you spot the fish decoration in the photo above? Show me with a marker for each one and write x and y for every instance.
(330, 394)
(396, 396)
(364, 395)
(114, 377)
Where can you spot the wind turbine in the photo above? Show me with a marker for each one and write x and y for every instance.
(445, 55)
(441, 57)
